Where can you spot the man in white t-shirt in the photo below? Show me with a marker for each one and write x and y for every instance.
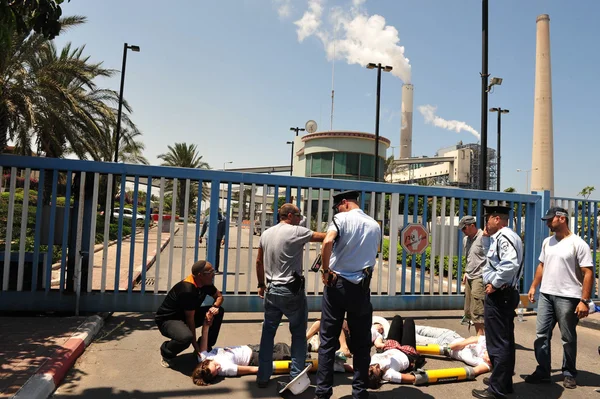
(566, 274)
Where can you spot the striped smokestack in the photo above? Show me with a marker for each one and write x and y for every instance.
(407, 120)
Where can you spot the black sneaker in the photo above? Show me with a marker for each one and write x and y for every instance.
(569, 382)
(262, 384)
(486, 381)
(537, 379)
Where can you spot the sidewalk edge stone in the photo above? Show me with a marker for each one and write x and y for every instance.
(49, 376)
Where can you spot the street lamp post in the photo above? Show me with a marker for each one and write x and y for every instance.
(386, 69)
(294, 129)
(526, 178)
(500, 111)
(291, 156)
(118, 134)
(484, 96)
(119, 113)
(224, 200)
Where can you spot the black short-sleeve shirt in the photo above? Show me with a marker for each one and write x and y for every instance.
(183, 296)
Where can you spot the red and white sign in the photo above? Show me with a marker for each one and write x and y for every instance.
(414, 238)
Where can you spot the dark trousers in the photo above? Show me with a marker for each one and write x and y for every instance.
(499, 318)
(181, 336)
(217, 254)
(354, 302)
(403, 332)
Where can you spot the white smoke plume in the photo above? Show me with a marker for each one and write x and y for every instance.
(428, 112)
(355, 36)
(284, 8)
(310, 22)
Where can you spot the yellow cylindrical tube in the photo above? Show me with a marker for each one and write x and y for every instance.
(283, 366)
(432, 349)
(444, 375)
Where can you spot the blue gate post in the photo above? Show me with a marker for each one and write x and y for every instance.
(533, 246)
(213, 220)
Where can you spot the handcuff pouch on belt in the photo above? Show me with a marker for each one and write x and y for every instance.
(297, 284)
(366, 280)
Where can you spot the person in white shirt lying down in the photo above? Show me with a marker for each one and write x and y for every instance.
(312, 337)
(233, 361)
(472, 350)
(230, 361)
(400, 357)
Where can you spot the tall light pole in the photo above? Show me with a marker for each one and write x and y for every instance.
(118, 135)
(119, 113)
(224, 200)
(484, 96)
(526, 178)
(500, 111)
(386, 69)
(291, 156)
(294, 129)
(297, 129)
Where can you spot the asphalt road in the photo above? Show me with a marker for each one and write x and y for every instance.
(123, 362)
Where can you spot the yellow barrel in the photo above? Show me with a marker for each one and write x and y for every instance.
(425, 377)
(283, 366)
(432, 349)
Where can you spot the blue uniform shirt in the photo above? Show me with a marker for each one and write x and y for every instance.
(505, 256)
(357, 246)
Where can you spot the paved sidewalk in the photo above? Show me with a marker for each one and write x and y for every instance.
(26, 343)
(29, 344)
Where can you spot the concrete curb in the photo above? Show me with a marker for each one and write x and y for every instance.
(152, 258)
(50, 374)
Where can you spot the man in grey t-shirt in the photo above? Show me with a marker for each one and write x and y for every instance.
(476, 259)
(279, 260)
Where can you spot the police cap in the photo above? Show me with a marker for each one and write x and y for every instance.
(496, 210)
(351, 195)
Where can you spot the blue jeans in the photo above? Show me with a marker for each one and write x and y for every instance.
(553, 309)
(280, 301)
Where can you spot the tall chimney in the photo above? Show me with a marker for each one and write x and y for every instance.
(407, 120)
(542, 159)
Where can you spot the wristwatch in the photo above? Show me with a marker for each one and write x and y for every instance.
(584, 300)
(323, 271)
(261, 285)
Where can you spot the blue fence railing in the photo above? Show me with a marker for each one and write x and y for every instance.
(62, 251)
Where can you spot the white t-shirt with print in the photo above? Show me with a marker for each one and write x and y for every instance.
(472, 354)
(229, 358)
(393, 362)
(562, 262)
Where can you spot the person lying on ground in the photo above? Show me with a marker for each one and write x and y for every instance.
(399, 356)
(472, 350)
(312, 338)
(231, 361)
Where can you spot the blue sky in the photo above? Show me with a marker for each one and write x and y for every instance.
(232, 76)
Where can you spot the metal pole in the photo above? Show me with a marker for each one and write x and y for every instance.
(377, 123)
(484, 96)
(498, 149)
(118, 133)
(292, 159)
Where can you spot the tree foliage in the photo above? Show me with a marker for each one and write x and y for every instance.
(185, 155)
(22, 16)
(587, 191)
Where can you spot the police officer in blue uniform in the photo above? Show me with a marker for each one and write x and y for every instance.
(348, 257)
(501, 277)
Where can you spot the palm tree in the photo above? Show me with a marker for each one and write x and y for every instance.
(185, 155)
(389, 167)
(29, 84)
(49, 99)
